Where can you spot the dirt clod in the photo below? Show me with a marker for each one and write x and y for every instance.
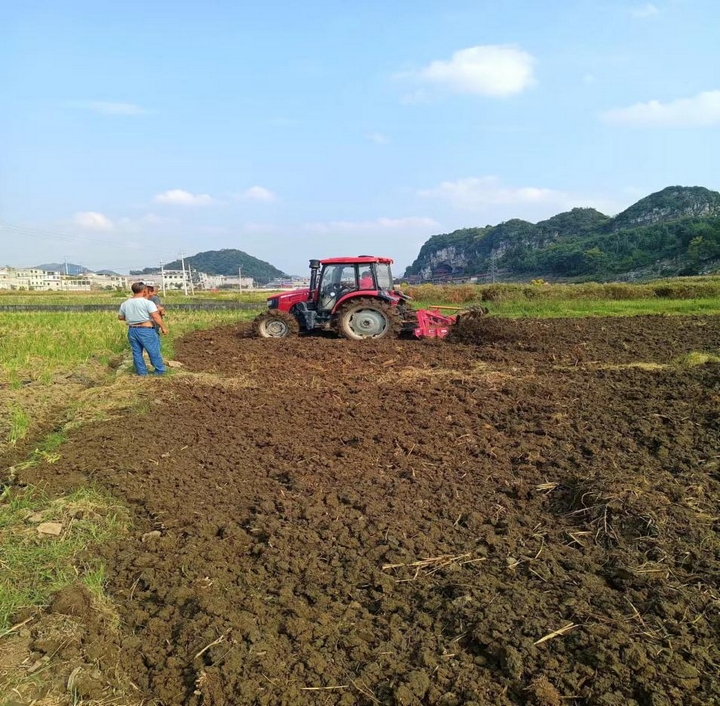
(52, 528)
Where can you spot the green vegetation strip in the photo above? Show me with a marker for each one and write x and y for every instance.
(581, 308)
(36, 346)
(36, 562)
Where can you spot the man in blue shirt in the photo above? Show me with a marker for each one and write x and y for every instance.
(139, 313)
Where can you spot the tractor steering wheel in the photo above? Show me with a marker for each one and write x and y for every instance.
(339, 289)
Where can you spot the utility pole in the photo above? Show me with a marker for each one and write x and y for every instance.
(190, 277)
(66, 266)
(182, 260)
(240, 277)
(162, 278)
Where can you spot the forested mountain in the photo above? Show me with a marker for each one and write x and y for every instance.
(674, 231)
(223, 262)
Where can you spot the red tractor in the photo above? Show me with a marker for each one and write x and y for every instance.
(353, 296)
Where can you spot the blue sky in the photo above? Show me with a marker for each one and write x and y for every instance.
(132, 131)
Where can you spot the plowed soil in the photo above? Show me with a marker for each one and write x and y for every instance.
(527, 514)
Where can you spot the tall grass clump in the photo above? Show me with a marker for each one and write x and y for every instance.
(19, 423)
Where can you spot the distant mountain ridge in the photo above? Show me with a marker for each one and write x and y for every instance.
(673, 231)
(223, 262)
(72, 269)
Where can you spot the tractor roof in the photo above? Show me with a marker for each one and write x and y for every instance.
(360, 260)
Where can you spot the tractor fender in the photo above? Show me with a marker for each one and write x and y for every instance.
(366, 293)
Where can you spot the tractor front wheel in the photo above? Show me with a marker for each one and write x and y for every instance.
(367, 318)
(275, 324)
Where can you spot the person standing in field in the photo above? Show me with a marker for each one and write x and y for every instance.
(152, 295)
(139, 313)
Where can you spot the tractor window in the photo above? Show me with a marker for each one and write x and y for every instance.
(336, 281)
(384, 277)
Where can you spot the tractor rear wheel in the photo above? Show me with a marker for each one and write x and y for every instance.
(367, 318)
(275, 324)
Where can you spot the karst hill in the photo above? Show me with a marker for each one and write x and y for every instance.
(675, 231)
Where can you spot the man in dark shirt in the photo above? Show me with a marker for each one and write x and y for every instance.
(152, 295)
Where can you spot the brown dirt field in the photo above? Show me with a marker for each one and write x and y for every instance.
(522, 516)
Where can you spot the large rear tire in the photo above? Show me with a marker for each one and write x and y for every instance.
(363, 318)
(275, 324)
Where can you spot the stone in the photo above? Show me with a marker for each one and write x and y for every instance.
(51, 528)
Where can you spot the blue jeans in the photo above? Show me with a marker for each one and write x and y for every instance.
(145, 339)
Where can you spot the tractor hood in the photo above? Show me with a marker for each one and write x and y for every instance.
(285, 300)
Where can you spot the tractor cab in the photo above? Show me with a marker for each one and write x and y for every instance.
(340, 277)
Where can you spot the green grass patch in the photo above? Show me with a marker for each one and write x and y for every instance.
(707, 287)
(19, 421)
(605, 307)
(36, 565)
(35, 346)
(116, 297)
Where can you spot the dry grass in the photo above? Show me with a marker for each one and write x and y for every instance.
(614, 514)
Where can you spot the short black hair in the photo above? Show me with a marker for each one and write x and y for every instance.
(138, 287)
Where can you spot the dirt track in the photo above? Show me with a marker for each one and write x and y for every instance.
(404, 522)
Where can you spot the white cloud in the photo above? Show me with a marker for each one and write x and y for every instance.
(380, 225)
(477, 192)
(184, 198)
(378, 138)
(497, 70)
(644, 11)
(258, 193)
(500, 202)
(91, 220)
(153, 219)
(702, 110)
(111, 108)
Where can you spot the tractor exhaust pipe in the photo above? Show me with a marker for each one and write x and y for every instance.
(314, 270)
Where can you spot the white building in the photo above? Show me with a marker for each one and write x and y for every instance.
(206, 281)
(169, 279)
(79, 283)
(34, 279)
(99, 281)
(22, 278)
